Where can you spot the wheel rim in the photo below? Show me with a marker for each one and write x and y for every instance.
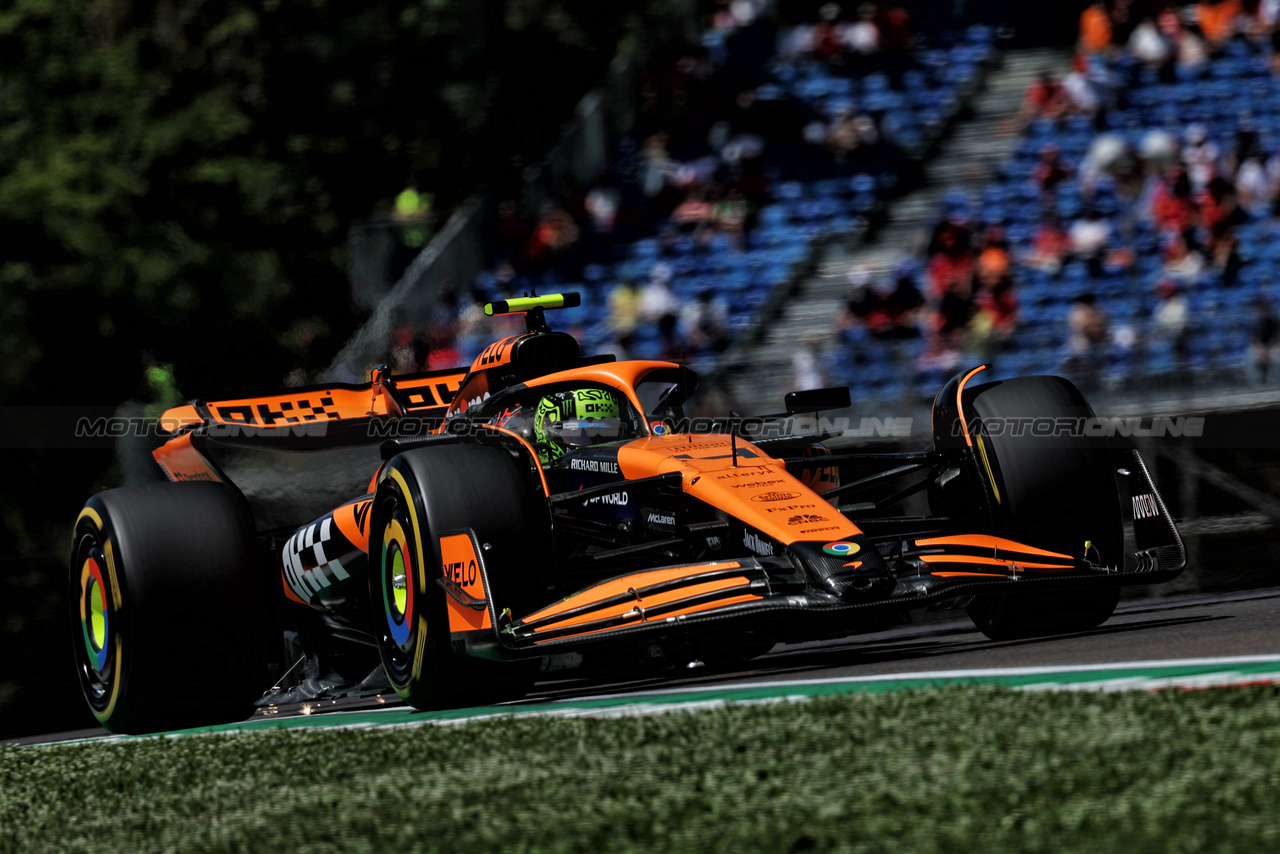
(398, 578)
(99, 665)
(94, 613)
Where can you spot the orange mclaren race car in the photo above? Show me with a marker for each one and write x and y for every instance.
(470, 525)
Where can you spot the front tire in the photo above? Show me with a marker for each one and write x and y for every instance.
(483, 502)
(1048, 489)
(168, 607)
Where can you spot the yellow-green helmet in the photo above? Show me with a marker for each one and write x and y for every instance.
(577, 419)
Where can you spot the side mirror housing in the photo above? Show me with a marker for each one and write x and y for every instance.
(817, 399)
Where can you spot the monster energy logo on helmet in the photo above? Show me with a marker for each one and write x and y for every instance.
(574, 419)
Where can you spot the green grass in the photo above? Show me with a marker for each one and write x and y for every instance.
(960, 769)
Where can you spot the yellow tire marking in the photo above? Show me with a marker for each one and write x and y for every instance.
(982, 451)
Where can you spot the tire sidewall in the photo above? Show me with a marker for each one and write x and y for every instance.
(188, 613)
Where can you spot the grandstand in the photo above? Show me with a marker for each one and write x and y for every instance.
(769, 177)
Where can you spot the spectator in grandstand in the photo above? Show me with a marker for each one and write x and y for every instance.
(862, 37)
(1219, 20)
(1259, 19)
(827, 36)
(1045, 98)
(1172, 205)
(1254, 188)
(1090, 88)
(1049, 245)
(1200, 156)
(704, 325)
(993, 263)
(1264, 338)
(657, 173)
(1170, 321)
(551, 245)
(1110, 162)
(602, 204)
(694, 213)
(444, 353)
(1180, 262)
(1095, 28)
(1051, 171)
(660, 306)
(1087, 334)
(1159, 151)
(624, 309)
(950, 269)
(1225, 257)
(1220, 212)
(995, 316)
(1090, 240)
(809, 363)
(1150, 46)
(858, 303)
(729, 214)
(895, 28)
(1189, 50)
(892, 306)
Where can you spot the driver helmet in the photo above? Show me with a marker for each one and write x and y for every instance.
(579, 418)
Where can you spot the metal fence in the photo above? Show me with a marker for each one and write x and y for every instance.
(455, 255)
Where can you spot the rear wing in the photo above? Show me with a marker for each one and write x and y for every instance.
(421, 395)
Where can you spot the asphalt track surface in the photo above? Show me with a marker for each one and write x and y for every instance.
(1151, 630)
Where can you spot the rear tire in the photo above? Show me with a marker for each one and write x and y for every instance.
(168, 607)
(1056, 492)
(426, 494)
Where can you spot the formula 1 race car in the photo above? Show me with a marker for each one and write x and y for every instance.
(473, 524)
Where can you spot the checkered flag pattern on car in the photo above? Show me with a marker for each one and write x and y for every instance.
(306, 565)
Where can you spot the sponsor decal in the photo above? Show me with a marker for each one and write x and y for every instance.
(308, 567)
(747, 471)
(191, 475)
(842, 549)
(789, 507)
(705, 446)
(806, 519)
(601, 466)
(757, 484)
(660, 519)
(713, 543)
(757, 544)
(1145, 507)
(659, 428)
(290, 411)
(497, 353)
(766, 497)
(819, 530)
(362, 514)
(462, 573)
(428, 396)
(614, 499)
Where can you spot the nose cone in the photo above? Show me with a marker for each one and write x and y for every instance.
(851, 568)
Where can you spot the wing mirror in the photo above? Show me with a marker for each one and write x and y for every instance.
(817, 399)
